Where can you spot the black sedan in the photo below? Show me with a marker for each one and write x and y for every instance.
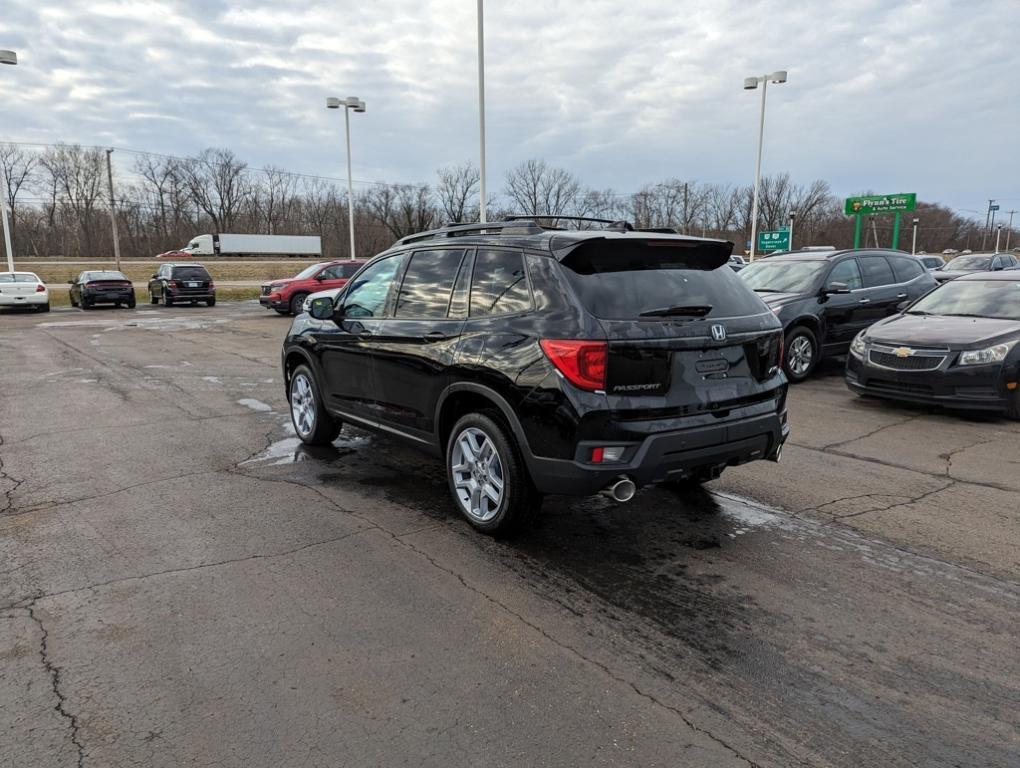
(975, 262)
(959, 346)
(102, 287)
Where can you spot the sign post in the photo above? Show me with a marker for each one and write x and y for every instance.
(872, 204)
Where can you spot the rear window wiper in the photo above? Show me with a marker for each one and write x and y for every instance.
(696, 310)
(766, 290)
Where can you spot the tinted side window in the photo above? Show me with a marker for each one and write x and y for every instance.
(351, 268)
(367, 296)
(428, 283)
(332, 273)
(876, 271)
(847, 272)
(499, 285)
(905, 269)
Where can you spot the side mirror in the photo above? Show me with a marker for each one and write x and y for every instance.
(70, 282)
(902, 306)
(322, 308)
(835, 288)
(154, 275)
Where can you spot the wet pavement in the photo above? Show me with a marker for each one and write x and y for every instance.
(185, 583)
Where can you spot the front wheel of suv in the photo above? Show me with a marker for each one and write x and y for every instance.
(487, 477)
(296, 303)
(312, 422)
(801, 354)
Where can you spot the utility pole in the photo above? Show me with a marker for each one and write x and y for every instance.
(874, 230)
(1009, 230)
(984, 233)
(792, 217)
(998, 233)
(481, 113)
(913, 244)
(685, 208)
(113, 210)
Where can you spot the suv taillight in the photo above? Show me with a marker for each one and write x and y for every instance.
(212, 285)
(171, 283)
(582, 363)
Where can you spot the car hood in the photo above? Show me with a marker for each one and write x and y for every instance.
(287, 281)
(952, 274)
(942, 330)
(779, 299)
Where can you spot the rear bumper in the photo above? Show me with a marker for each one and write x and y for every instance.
(668, 455)
(178, 296)
(980, 388)
(30, 299)
(109, 297)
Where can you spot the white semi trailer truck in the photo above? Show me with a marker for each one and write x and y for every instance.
(254, 245)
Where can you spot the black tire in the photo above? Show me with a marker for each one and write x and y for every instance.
(296, 301)
(85, 303)
(167, 301)
(211, 302)
(323, 429)
(116, 305)
(44, 307)
(73, 302)
(283, 312)
(132, 302)
(518, 501)
(801, 354)
(153, 298)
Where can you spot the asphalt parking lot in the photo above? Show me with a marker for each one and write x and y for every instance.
(184, 584)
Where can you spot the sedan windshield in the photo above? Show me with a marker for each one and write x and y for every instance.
(783, 276)
(997, 299)
(968, 264)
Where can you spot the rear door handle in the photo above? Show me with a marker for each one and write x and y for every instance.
(435, 336)
(364, 334)
(901, 296)
(864, 301)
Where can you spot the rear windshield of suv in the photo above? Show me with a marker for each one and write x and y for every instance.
(624, 283)
(190, 273)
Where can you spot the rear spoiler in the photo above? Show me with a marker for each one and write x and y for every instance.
(611, 254)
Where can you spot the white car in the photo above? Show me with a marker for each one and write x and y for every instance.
(23, 289)
(328, 293)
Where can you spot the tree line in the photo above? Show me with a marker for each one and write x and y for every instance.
(58, 197)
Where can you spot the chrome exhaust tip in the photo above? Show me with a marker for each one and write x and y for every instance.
(620, 490)
(778, 455)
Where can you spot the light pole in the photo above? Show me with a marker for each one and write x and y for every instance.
(792, 217)
(7, 57)
(113, 210)
(750, 83)
(1009, 229)
(913, 243)
(481, 114)
(984, 233)
(998, 233)
(351, 102)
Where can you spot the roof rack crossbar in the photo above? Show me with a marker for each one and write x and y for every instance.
(518, 227)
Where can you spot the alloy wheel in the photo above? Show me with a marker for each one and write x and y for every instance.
(801, 355)
(302, 405)
(478, 476)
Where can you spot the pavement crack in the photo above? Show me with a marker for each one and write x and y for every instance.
(949, 456)
(56, 684)
(15, 483)
(872, 433)
(910, 500)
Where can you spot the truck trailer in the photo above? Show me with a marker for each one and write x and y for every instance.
(254, 245)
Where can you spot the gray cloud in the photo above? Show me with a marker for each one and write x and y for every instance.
(911, 96)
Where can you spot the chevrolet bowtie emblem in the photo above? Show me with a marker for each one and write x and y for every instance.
(903, 352)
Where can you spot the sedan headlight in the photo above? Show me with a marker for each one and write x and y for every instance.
(994, 354)
(858, 347)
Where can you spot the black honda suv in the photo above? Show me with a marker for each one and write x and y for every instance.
(545, 361)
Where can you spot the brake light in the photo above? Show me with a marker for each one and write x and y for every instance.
(582, 363)
(40, 288)
(212, 285)
(171, 283)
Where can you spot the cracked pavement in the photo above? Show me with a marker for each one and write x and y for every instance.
(183, 583)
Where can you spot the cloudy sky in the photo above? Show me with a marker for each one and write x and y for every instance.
(882, 95)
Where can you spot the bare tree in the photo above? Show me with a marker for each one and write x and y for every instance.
(17, 167)
(536, 188)
(78, 174)
(457, 192)
(219, 185)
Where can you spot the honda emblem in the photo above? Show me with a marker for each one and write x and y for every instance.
(719, 332)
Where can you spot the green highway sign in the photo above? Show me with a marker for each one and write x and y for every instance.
(856, 206)
(774, 240)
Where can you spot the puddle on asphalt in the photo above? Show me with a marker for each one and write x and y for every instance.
(291, 450)
(250, 402)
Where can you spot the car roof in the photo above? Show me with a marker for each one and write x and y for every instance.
(826, 255)
(1005, 276)
(184, 264)
(526, 232)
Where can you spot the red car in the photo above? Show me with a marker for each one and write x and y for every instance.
(286, 296)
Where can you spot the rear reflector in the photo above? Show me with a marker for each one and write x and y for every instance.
(582, 363)
(604, 454)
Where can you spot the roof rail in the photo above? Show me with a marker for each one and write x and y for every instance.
(509, 227)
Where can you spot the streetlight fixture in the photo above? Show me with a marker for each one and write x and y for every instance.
(750, 84)
(481, 114)
(351, 102)
(113, 209)
(7, 57)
